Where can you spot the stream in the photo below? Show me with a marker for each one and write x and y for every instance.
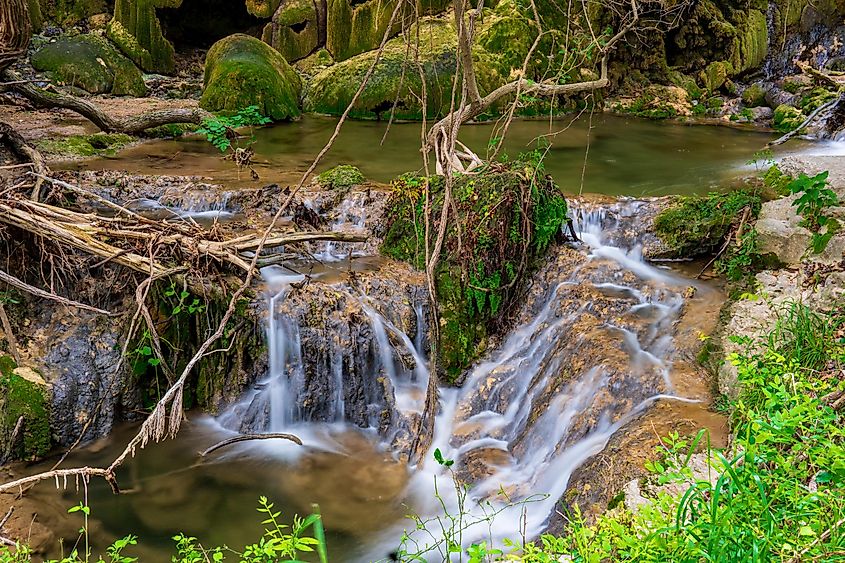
(627, 156)
(603, 339)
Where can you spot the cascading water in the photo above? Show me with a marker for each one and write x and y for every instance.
(593, 352)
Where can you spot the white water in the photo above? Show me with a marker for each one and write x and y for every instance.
(350, 217)
(497, 407)
(522, 412)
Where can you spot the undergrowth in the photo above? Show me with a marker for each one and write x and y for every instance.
(503, 220)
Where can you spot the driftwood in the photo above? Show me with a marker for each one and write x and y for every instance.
(250, 437)
(819, 110)
(131, 125)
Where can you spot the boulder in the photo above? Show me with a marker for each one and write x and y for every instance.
(242, 71)
(754, 96)
(393, 80)
(779, 232)
(787, 118)
(92, 63)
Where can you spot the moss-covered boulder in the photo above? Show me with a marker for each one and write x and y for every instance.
(66, 13)
(294, 31)
(92, 63)
(754, 96)
(242, 71)
(507, 216)
(135, 29)
(787, 118)
(23, 397)
(85, 145)
(394, 79)
(716, 75)
(341, 177)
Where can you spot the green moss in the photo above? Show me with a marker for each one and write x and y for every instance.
(68, 13)
(242, 71)
(816, 98)
(262, 8)
(697, 225)
(341, 177)
(754, 96)
(750, 46)
(92, 63)
(786, 118)
(23, 398)
(716, 75)
(136, 30)
(284, 32)
(395, 79)
(507, 217)
(86, 145)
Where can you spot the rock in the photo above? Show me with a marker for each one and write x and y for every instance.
(332, 89)
(776, 97)
(787, 118)
(716, 75)
(761, 113)
(92, 63)
(242, 71)
(99, 21)
(136, 30)
(294, 29)
(754, 96)
(780, 233)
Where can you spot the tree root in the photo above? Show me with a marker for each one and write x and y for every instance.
(22, 149)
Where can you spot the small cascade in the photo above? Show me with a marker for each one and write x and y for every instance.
(350, 216)
(593, 351)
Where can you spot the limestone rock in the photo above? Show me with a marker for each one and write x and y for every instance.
(242, 71)
(136, 30)
(92, 63)
(779, 232)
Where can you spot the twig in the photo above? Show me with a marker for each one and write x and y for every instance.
(23, 286)
(10, 336)
(248, 437)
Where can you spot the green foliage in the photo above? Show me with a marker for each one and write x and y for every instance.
(741, 260)
(504, 219)
(777, 180)
(219, 130)
(697, 225)
(814, 197)
(279, 543)
(341, 177)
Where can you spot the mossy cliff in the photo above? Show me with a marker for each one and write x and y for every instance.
(294, 31)
(507, 217)
(135, 29)
(24, 399)
(242, 71)
(92, 63)
(395, 79)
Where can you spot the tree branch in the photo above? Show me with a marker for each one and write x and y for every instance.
(249, 437)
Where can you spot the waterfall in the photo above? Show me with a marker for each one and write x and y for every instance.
(594, 350)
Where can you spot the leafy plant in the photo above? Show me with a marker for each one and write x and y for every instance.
(814, 196)
(219, 130)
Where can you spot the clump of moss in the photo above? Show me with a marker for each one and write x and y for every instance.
(816, 98)
(787, 118)
(506, 218)
(754, 96)
(92, 63)
(86, 145)
(23, 398)
(242, 71)
(341, 177)
(697, 225)
(717, 74)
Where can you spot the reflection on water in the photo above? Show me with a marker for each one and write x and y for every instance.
(170, 489)
(626, 156)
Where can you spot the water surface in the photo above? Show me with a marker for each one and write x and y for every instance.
(626, 156)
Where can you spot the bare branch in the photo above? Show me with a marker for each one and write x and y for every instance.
(250, 437)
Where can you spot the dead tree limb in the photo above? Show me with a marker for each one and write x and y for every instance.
(822, 108)
(10, 336)
(250, 437)
(61, 476)
(22, 149)
(134, 125)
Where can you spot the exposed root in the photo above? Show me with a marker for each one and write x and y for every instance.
(22, 149)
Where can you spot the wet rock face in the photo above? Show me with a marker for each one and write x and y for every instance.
(627, 222)
(79, 356)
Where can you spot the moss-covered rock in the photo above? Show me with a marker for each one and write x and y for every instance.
(786, 118)
(92, 63)
(507, 217)
(294, 30)
(85, 145)
(341, 177)
(754, 96)
(657, 102)
(394, 79)
(67, 13)
(136, 30)
(716, 75)
(242, 71)
(23, 399)
(697, 225)
(750, 46)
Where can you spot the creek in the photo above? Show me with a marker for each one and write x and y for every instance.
(627, 156)
(604, 342)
